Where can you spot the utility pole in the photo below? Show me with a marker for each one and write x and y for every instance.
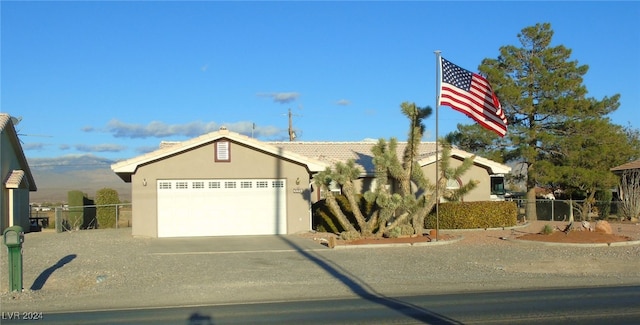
(292, 134)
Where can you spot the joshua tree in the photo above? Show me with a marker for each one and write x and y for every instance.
(404, 212)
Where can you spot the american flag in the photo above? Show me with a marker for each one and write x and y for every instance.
(471, 94)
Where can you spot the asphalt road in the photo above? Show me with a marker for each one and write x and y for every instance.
(595, 305)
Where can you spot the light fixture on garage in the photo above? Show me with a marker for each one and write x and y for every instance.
(298, 181)
(144, 182)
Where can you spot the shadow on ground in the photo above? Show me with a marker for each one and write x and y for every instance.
(364, 291)
(44, 276)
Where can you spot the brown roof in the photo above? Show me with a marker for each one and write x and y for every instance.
(629, 165)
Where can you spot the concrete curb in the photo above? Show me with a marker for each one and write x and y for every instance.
(614, 244)
(486, 229)
(535, 242)
(421, 244)
(520, 241)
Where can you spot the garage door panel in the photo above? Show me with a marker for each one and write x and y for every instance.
(221, 207)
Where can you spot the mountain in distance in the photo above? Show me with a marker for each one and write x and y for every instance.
(55, 177)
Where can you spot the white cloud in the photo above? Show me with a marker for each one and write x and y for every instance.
(343, 102)
(69, 161)
(33, 146)
(158, 129)
(282, 98)
(99, 147)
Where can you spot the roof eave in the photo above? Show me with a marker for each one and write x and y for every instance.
(131, 165)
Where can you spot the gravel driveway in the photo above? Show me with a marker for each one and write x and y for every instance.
(107, 269)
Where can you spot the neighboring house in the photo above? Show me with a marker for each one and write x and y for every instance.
(489, 173)
(17, 180)
(224, 183)
(634, 165)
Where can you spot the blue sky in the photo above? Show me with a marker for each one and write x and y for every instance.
(113, 79)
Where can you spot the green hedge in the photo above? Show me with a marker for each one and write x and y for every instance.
(76, 213)
(106, 200)
(472, 215)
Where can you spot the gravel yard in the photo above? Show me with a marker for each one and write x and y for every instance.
(105, 269)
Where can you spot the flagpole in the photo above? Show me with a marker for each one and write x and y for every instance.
(437, 52)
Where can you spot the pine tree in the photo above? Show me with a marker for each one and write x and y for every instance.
(541, 91)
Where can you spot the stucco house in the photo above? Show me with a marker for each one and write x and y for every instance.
(224, 183)
(17, 180)
(628, 167)
(489, 173)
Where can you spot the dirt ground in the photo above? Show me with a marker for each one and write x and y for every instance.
(578, 237)
(621, 232)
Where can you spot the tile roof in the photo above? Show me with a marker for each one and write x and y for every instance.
(4, 119)
(629, 165)
(317, 155)
(7, 128)
(125, 168)
(14, 179)
(332, 152)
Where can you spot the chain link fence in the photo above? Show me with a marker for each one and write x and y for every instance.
(560, 210)
(80, 217)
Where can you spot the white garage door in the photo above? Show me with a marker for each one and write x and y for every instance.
(221, 207)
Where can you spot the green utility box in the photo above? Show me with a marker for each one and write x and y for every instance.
(13, 238)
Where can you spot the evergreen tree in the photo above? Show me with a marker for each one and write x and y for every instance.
(582, 158)
(542, 92)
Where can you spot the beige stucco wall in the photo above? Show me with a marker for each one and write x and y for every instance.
(482, 192)
(20, 205)
(198, 163)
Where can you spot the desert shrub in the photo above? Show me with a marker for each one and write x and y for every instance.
(350, 235)
(401, 230)
(547, 229)
(106, 200)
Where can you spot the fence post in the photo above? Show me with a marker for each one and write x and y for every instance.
(117, 213)
(58, 221)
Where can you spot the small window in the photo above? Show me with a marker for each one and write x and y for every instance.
(335, 187)
(229, 184)
(198, 184)
(214, 184)
(262, 184)
(497, 186)
(453, 184)
(182, 185)
(245, 184)
(223, 151)
(164, 185)
(277, 184)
